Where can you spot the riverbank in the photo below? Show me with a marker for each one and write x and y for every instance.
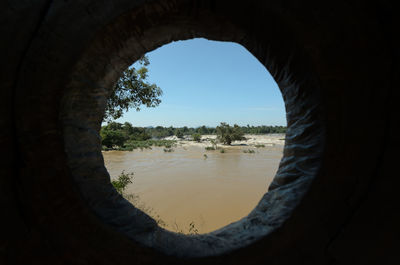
(252, 140)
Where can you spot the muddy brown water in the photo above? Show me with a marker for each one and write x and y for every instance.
(184, 187)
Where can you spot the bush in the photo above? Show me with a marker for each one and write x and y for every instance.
(227, 134)
(179, 134)
(259, 145)
(148, 144)
(122, 181)
(222, 151)
(209, 148)
(196, 137)
(111, 138)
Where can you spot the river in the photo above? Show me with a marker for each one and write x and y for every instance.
(184, 187)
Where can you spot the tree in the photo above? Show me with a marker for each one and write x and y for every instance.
(135, 133)
(179, 134)
(132, 90)
(111, 137)
(196, 137)
(227, 134)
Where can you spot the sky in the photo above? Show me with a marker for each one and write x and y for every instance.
(207, 82)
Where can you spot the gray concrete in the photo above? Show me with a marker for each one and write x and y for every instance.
(333, 199)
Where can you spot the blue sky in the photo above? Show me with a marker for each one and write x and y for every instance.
(208, 82)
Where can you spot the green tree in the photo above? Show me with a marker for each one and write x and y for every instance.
(227, 134)
(196, 137)
(132, 90)
(111, 138)
(202, 130)
(179, 134)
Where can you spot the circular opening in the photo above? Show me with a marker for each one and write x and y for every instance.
(118, 44)
(195, 187)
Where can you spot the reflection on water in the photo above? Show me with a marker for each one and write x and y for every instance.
(184, 187)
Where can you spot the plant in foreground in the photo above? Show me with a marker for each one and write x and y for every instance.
(123, 180)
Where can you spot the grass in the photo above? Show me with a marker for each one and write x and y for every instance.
(259, 145)
(222, 150)
(210, 148)
(249, 151)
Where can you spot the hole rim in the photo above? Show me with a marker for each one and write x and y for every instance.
(305, 136)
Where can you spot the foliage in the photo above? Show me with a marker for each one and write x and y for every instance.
(222, 150)
(132, 90)
(263, 129)
(122, 182)
(118, 136)
(227, 134)
(196, 137)
(131, 145)
(112, 138)
(209, 148)
(179, 134)
(135, 133)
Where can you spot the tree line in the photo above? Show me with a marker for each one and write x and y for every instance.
(116, 134)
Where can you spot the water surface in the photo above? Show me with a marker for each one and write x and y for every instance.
(184, 187)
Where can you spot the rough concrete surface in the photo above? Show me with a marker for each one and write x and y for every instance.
(334, 199)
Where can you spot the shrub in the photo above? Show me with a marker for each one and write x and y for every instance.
(222, 151)
(148, 144)
(209, 148)
(227, 134)
(111, 138)
(259, 145)
(122, 181)
(179, 134)
(196, 137)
